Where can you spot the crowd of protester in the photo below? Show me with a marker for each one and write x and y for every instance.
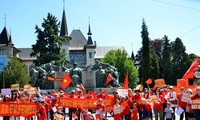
(160, 103)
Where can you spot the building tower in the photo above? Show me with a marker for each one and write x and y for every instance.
(64, 34)
(90, 49)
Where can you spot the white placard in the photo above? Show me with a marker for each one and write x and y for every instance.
(185, 97)
(122, 92)
(6, 91)
(179, 111)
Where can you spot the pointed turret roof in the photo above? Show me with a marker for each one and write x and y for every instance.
(4, 36)
(132, 56)
(89, 42)
(10, 40)
(64, 30)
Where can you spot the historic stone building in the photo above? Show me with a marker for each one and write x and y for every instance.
(76, 46)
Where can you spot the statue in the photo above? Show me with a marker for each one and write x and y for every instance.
(102, 71)
(38, 75)
(75, 74)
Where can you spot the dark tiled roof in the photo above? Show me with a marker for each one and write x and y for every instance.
(78, 40)
(102, 50)
(25, 52)
(4, 36)
(64, 30)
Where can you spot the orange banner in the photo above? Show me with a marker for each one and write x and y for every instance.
(17, 109)
(85, 103)
(54, 79)
(182, 82)
(159, 82)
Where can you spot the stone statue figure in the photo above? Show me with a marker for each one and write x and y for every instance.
(76, 73)
(38, 75)
(102, 71)
(100, 77)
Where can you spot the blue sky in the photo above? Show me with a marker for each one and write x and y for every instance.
(113, 22)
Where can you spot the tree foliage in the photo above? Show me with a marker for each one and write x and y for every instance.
(166, 66)
(15, 72)
(47, 47)
(119, 58)
(180, 60)
(145, 62)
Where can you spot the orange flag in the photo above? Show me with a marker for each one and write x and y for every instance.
(149, 81)
(109, 78)
(190, 72)
(66, 81)
(126, 82)
(182, 82)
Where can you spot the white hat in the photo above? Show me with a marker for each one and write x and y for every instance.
(7, 96)
(190, 90)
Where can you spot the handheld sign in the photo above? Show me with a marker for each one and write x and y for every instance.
(160, 82)
(14, 87)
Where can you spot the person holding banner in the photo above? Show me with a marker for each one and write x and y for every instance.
(171, 97)
(196, 97)
(117, 109)
(189, 112)
(181, 102)
(41, 113)
(100, 109)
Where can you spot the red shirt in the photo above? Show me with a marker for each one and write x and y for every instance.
(134, 114)
(42, 115)
(181, 103)
(195, 97)
(47, 103)
(126, 108)
(147, 107)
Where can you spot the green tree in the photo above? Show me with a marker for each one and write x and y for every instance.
(154, 65)
(47, 47)
(166, 61)
(15, 72)
(180, 60)
(119, 58)
(145, 62)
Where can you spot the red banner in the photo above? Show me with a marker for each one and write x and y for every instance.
(85, 103)
(17, 109)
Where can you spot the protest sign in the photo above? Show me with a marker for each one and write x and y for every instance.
(6, 91)
(195, 104)
(122, 92)
(159, 82)
(186, 97)
(182, 82)
(27, 87)
(15, 87)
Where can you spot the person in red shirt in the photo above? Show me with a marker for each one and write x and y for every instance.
(117, 109)
(181, 103)
(41, 113)
(72, 110)
(47, 102)
(100, 109)
(147, 105)
(137, 99)
(126, 110)
(196, 97)
(134, 112)
(157, 105)
(100, 94)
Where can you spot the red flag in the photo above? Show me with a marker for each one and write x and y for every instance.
(149, 81)
(126, 82)
(66, 81)
(109, 78)
(190, 72)
(154, 87)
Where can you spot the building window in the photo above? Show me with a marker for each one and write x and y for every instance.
(90, 54)
(2, 52)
